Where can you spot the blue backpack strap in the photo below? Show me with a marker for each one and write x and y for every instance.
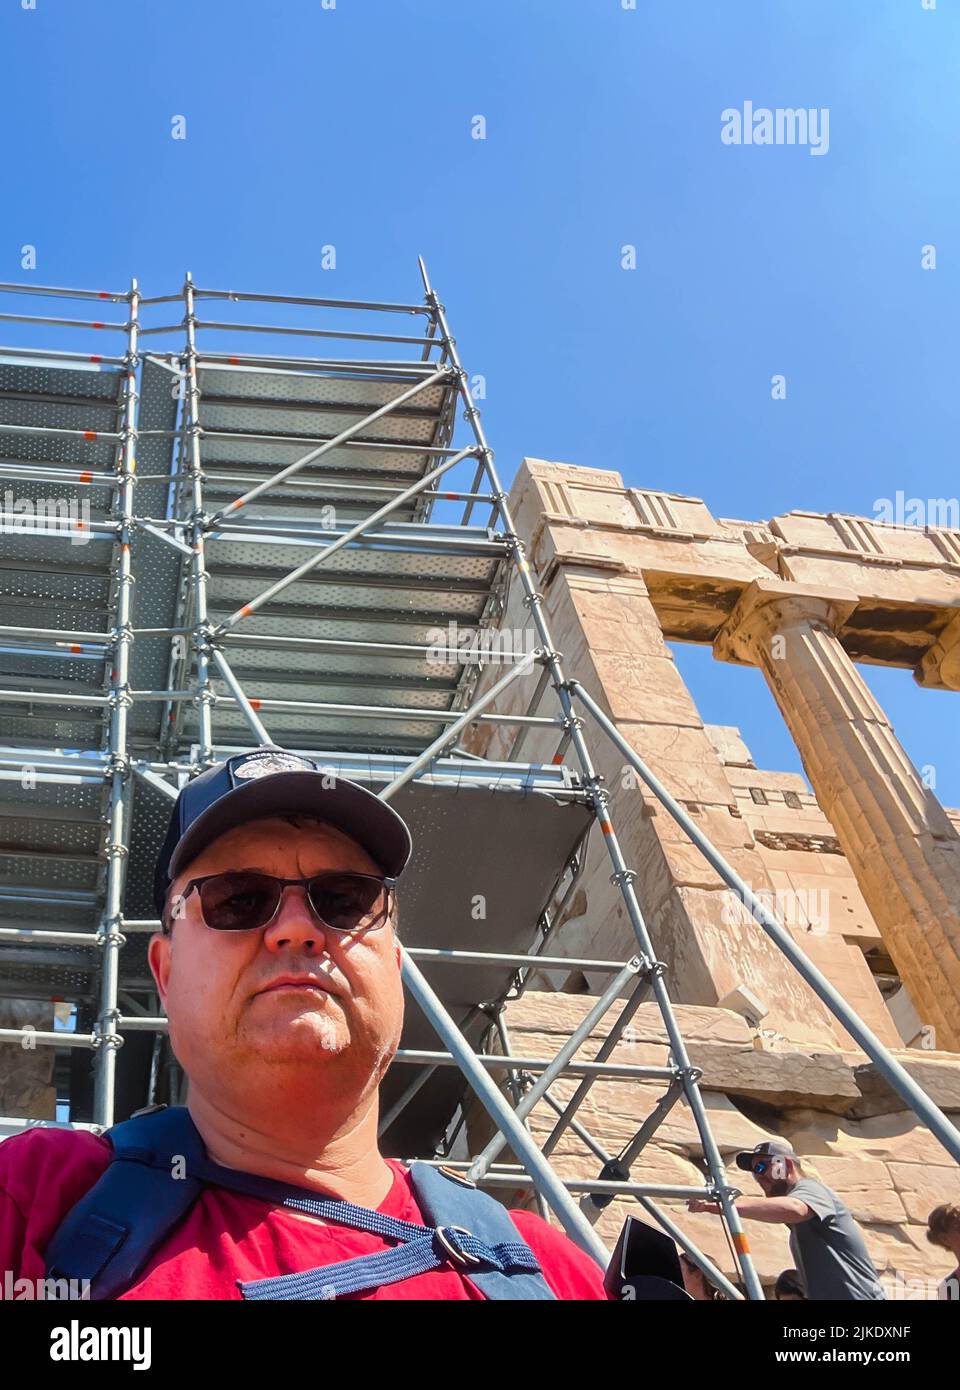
(447, 1199)
(488, 1251)
(111, 1233)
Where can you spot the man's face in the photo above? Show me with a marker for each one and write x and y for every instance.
(773, 1187)
(230, 1024)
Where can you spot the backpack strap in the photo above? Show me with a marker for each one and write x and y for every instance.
(504, 1263)
(448, 1199)
(111, 1233)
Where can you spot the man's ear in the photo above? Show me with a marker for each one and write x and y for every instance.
(158, 957)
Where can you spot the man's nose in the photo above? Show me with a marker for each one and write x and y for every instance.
(296, 924)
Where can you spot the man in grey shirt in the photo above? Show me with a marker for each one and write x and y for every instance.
(825, 1241)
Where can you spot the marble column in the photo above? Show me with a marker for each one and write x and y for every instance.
(899, 841)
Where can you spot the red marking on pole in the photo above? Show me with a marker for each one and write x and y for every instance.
(98, 325)
(81, 525)
(89, 434)
(95, 358)
(449, 496)
(172, 715)
(103, 295)
(86, 476)
(234, 361)
(75, 648)
(557, 759)
(255, 704)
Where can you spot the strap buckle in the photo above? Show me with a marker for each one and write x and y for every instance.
(447, 1238)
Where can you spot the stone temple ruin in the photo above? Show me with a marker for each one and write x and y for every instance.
(861, 862)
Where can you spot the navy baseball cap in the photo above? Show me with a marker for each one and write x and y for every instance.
(770, 1148)
(267, 782)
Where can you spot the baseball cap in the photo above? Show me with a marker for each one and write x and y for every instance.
(770, 1148)
(270, 781)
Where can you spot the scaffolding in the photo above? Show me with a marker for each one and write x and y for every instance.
(302, 551)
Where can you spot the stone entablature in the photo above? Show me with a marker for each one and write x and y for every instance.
(906, 579)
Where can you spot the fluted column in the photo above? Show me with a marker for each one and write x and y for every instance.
(902, 847)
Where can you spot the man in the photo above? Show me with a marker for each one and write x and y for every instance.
(279, 971)
(825, 1242)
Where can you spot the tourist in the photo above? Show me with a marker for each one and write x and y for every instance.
(825, 1241)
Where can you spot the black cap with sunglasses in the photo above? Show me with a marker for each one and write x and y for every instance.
(770, 1148)
(267, 782)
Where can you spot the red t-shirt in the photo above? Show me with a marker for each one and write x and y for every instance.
(228, 1236)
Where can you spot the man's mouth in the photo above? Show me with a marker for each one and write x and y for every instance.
(313, 983)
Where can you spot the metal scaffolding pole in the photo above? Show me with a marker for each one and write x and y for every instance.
(204, 694)
(115, 849)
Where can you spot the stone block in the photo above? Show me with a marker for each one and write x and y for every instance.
(924, 1186)
(937, 1074)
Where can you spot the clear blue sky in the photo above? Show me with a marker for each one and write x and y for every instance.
(352, 126)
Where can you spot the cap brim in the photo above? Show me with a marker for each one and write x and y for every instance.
(356, 812)
(745, 1161)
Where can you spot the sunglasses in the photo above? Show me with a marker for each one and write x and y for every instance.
(244, 900)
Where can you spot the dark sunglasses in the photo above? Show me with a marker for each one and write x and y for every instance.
(243, 900)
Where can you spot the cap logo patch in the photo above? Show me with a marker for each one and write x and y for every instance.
(266, 764)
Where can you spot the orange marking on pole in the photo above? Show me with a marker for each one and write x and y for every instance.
(741, 1244)
(81, 525)
(86, 476)
(557, 759)
(245, 611)
(104, 295)
(234, 361)
(606, 827)
(98, 325)
(89, 434)
(255, 704)
(74, 647)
